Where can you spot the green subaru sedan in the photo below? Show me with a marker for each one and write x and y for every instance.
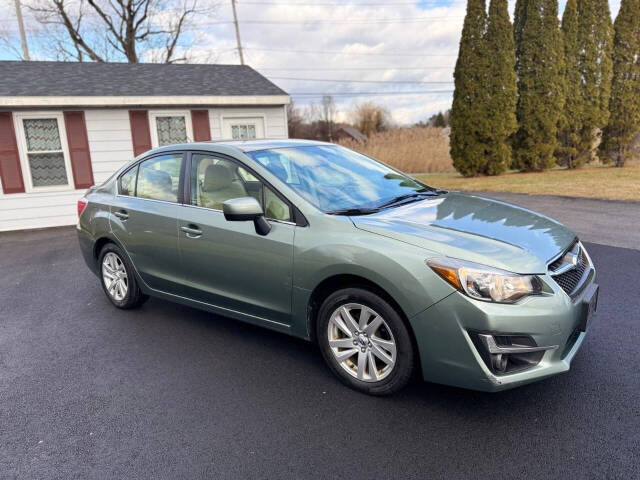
(390, 277)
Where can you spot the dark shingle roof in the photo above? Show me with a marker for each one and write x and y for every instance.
(353, 133)
(130, 79)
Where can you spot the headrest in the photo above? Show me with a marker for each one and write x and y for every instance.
(216, 177)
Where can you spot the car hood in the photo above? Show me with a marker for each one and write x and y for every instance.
(476, 229)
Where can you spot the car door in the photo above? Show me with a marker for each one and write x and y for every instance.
(144, 218)
(227, 264)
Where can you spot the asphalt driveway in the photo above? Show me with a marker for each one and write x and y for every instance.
(87, 391)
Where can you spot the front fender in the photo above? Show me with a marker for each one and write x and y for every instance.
(396, 267)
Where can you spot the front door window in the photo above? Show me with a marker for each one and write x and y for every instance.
(215, 180)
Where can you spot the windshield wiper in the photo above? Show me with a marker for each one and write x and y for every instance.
(418, 194)
(353, 211)
(410, 196)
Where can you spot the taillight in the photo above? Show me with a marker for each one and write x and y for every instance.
(82, 203)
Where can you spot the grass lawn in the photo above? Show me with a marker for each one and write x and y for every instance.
(595, 182)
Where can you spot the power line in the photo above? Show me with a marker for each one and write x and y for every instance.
(359, 21)
(414, 82)
(332, 69)
(339, 4)
(335, 52)
(360, 94)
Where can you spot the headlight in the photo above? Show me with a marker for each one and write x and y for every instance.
(485, 283)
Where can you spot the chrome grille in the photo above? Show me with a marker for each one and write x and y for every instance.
(567, 274)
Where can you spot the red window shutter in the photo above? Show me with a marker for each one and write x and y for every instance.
(200, 123)
(10, 171)
(140, 131)
(78, 149)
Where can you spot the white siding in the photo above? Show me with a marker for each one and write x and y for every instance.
(38, 210)
(109, 135)
(110, 144)
(275, 122)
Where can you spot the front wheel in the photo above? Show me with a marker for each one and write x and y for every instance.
(365, 342)
(118, 279)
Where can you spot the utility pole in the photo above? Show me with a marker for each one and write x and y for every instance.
(23, 36)
(235, 22)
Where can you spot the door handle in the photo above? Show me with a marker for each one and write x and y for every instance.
(192, 231)
(121, 214)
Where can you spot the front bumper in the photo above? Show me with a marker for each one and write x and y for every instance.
(446, 334)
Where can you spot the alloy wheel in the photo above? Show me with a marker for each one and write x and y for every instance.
(361, 342)
(114, 276)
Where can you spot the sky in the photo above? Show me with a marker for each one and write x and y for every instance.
(397, 53)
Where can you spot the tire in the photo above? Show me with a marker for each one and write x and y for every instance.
(114, 264)
(353, 349)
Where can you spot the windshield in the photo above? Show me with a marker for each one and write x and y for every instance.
(334, 178)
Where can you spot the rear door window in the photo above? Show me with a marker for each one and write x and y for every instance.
(159, 178)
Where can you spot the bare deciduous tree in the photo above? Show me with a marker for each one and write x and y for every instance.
(370, 118)
(108, 30)
(295, 121)
(328, 113)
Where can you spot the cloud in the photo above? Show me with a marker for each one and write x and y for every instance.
(376, 41)
(349, 42)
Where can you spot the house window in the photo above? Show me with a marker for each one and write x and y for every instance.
(169, 128)
(243, 132)
(245, 127)
(44, 152)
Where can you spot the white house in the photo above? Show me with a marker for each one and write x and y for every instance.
(65, 126)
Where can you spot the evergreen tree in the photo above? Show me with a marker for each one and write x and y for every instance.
(570, 127)
(595, 38)
(439, 121)
(540, 70)
(519, 17)
(502, 90)
(468, 121)
(624, 121)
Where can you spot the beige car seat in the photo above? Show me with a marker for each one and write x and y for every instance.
(219, 186)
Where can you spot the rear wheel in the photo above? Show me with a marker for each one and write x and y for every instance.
(365, 342)
(118, 280)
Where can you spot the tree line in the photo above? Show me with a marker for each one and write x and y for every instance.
(540, 91)
(318, 121)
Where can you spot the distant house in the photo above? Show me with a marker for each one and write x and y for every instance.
(66, 126)
(345, 131)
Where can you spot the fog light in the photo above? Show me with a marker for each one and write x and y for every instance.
(499, 362)
(508, 353)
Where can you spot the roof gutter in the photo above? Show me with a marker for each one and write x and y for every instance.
(143, 101)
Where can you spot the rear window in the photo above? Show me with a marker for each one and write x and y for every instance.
(127, 182)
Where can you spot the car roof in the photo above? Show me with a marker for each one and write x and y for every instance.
(252, 145)
(243, 145)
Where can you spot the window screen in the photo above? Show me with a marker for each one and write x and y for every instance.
(243, 132)
(44, 152)
(171, 130)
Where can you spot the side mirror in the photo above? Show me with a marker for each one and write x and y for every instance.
(246, 209)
